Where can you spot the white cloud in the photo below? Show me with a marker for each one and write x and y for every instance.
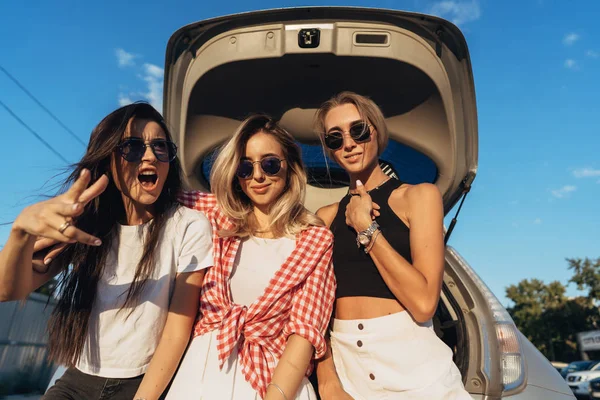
(592, 54)
(153, 75)
(563, 191)
(124, 100)
(586, 172)
(124, 58)
(459, 12)
(537, 221)
(514, 202)
(154, 70)
(571, 64)
(570, 39)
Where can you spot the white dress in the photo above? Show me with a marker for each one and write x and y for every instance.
(199, 376)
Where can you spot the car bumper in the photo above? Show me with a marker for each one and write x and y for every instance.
(580, 388)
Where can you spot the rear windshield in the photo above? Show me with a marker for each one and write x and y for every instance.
(403, 162)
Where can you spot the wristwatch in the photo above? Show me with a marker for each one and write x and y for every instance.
(364, 237)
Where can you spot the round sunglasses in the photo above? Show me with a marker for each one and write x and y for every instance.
(359, 131)
(270, 165)
(133, 149)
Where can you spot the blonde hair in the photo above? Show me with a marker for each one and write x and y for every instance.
(288, 215)
(368, 110)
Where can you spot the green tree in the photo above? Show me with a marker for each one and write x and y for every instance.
(549, 319)
(586, 275)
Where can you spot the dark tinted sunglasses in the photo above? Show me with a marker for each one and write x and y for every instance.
(270, 165)
(359, 131)
(133, 149)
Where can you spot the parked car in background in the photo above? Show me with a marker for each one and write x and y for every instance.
(286, 62)
(579, 381)
(576, 366)
(595, 388)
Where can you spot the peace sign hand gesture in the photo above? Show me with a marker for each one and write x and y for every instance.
(53, 219)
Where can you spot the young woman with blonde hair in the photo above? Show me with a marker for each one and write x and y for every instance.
(389, 264)
(266, 303)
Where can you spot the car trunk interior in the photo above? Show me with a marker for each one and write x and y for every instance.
(290, 88)
(425, 93)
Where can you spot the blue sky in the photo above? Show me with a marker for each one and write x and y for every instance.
(536, 66)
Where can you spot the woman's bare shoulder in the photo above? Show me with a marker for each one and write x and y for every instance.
(407, 199)
(415, 193)
(327, 213)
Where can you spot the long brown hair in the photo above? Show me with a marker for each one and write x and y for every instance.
(288, 216)
(69, 321)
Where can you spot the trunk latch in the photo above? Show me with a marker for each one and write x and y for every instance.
(309, 38)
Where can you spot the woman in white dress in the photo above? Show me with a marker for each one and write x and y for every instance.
(266, 303)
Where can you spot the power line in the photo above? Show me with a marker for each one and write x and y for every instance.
(39, 103)
(15, 116)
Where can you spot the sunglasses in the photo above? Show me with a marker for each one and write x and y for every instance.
(133, 149)
(359, 131)
(270, 165)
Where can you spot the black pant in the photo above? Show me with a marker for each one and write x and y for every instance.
(75, 385)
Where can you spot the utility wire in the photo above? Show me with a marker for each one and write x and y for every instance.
(34, 133)
(39, 103)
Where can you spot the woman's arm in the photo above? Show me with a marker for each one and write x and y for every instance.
(330, 386)
(194, 256)
(418, 285)
(291, 368)
(175, 336)
(17, 274)
(312, 306)
(20, 272)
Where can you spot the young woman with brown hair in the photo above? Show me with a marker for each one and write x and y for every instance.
(132, 271)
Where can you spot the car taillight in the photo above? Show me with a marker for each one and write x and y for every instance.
(511, 359)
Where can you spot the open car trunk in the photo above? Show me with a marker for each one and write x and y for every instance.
(415, 67)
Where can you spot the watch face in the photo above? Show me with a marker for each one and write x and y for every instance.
(364, 239)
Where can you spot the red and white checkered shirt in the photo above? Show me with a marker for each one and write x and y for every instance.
(299, 299)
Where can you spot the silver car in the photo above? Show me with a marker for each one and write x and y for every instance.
(286, 62)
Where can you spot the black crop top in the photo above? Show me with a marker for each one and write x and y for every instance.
(355, 271)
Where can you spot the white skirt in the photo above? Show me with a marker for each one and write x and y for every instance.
(199, 376)
(394, 358)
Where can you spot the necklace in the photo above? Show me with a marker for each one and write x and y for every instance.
(371, 190)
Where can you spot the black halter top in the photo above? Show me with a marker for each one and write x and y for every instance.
(355, 271)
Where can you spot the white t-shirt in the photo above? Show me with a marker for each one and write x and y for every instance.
(255, 264)
(120, 344)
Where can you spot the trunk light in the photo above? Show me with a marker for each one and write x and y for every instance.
(511, 360)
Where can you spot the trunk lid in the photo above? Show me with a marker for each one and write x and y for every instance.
(286, 62)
